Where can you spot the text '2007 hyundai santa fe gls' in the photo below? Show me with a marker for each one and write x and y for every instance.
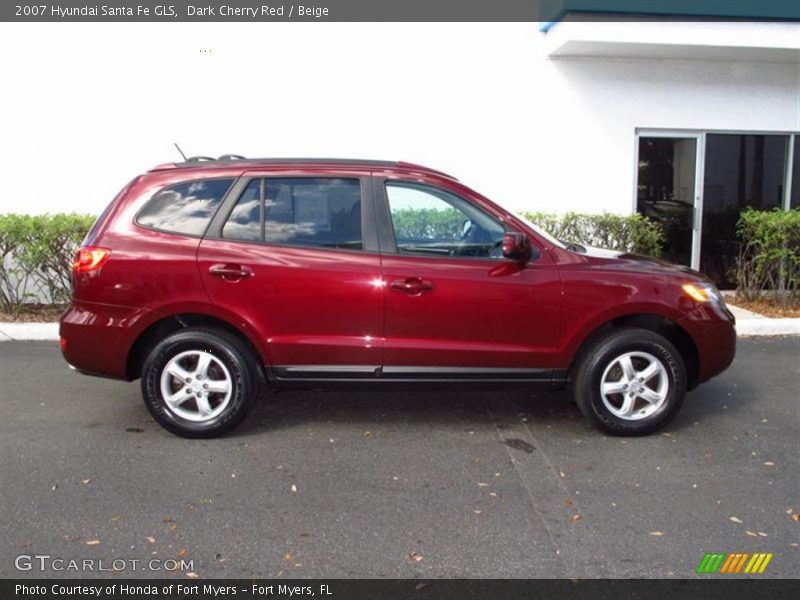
(211, 279)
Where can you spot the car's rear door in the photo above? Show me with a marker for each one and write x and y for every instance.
(455, 308)
(294, 254)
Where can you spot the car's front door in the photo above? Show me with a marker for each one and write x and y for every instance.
(294, 256)
(455, 307)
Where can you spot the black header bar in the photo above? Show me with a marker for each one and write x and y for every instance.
(545, 11)
(395, 589)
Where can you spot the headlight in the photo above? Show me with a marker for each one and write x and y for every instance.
(703, 292)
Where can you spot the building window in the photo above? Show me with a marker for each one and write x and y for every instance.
(699, 208)
(666, 190)
(741, 171)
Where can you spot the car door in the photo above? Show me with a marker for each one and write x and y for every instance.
(294, 255)
(454, 306)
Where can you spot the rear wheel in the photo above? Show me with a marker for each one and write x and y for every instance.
(199, 383)
(631, 382)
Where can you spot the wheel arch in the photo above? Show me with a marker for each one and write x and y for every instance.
(659, 324)
(183, 320)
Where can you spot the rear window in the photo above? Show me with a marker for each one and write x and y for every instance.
(185, 208)
(92, 235)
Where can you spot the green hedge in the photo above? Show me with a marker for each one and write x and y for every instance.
(628, 233)
(769, 255)
(36, 254)
(632, 233)
(428, 223)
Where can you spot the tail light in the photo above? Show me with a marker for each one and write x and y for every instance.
(90, 258)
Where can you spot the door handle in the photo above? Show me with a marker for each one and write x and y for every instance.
(413, 286)
(230, 272)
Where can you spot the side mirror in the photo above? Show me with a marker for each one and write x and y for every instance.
(516, 246)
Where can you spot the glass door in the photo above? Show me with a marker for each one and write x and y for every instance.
(668, 191)
(741, 171)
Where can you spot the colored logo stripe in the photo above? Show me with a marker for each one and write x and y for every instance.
(758, 563)
(734, 563)
(711, 563)
(721, 562)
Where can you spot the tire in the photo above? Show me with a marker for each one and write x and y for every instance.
(621, 405)
(200, 383)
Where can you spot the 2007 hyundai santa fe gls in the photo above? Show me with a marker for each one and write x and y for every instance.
(211, 279)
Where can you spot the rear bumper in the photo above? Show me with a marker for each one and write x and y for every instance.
(96, 338)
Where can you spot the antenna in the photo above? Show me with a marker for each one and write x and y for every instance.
(179, 150)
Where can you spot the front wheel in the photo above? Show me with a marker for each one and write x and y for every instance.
(631, 382)
(199, 383)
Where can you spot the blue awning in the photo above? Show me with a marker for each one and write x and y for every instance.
(553, 11)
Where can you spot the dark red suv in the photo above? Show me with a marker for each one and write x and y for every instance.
(212, 279)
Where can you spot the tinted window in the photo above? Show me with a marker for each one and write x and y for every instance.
(431, 221)
(184, 208)
(244, 223)
(741, 171)
(666, 191)
(299, 212)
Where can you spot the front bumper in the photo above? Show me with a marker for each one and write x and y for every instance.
(716, 349)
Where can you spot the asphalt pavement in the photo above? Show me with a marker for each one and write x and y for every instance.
(399, 484)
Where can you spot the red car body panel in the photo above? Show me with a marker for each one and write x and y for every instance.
(449, 327)
(314, 307)
(598, 291)
(321, 307)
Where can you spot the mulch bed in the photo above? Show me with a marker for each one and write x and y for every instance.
(769, 307)
(34, 313)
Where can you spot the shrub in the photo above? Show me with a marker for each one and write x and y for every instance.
(769, 255)
(628, 233)
(428, 223)
(36, 254)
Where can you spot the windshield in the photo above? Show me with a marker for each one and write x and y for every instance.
(549, 238)
(556, 242)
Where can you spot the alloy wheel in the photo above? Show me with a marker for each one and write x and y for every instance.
(196, 386)
(634, 386)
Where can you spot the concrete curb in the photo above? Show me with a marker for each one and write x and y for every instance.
(28, 331)
(763, 326)
(744, 327)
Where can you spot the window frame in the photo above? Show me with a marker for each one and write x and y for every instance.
(369, 239)
(386, 223)
(223, 200)
(792, 178)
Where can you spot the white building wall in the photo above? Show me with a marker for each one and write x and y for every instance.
(87, 106)
(589, 157)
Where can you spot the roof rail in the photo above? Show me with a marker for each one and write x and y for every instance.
(424, 169)
(226, 159)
